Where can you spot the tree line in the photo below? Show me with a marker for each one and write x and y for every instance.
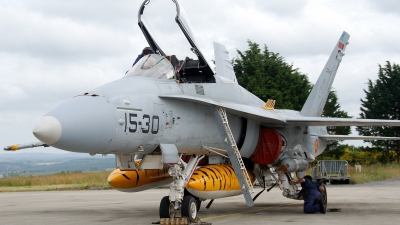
(268, 76)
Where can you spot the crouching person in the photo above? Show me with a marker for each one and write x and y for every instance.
(311, 193)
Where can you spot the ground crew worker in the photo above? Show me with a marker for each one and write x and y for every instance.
(145, 51)
(311, 194)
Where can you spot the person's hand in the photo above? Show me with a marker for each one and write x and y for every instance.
(292, 182)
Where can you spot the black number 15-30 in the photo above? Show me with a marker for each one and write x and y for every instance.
(147, 123)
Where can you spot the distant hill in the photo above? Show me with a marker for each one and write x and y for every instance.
(52, 163)
(42, 157)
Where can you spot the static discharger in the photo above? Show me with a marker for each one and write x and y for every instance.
(269, 105)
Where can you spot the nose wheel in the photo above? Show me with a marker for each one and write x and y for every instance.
(188, 208)
(167, 209)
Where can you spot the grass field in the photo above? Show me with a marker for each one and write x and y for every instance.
(98, 180)
(375, 172)
(58, 181)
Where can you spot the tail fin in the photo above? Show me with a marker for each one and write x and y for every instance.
(225, 72)
(316, 100)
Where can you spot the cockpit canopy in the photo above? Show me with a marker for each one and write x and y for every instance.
(187, 69)
(154, 66)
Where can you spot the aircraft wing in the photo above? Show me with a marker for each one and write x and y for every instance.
(267, 117)
(251, 112)
(345, 137)
(326, 121)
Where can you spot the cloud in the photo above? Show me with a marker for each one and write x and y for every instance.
(42, 36)
(385, 6)
(51, 51)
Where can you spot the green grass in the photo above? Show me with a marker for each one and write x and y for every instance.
(98, 180)
(375, 172)
(59, 181)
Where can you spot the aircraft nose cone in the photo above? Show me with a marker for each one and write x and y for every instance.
(82, 124)
(48, 130)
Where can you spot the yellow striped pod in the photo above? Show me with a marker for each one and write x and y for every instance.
(138, 180)
(215, 181)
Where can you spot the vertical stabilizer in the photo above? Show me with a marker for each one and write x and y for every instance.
(224, 66)
(316, 100)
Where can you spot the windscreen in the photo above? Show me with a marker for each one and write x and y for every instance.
(152, 65)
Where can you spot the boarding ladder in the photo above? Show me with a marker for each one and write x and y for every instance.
(233, 153)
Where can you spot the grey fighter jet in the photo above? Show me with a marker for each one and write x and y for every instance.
(178, 115)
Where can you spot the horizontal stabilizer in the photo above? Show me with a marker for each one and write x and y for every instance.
(345, 137)
(327, 121)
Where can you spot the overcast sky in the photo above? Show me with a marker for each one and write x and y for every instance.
(51, 50)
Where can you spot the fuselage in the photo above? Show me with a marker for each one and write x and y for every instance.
(128, 116)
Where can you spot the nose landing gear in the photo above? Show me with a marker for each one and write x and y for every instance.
(188, 205)
(188, 210)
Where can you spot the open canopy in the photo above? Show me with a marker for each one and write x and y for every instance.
(197, 69)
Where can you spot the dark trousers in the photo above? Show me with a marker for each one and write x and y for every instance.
(311, 203)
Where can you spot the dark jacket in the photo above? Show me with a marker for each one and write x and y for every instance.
(311, 186)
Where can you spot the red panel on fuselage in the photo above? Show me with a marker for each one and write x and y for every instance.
(268, 148)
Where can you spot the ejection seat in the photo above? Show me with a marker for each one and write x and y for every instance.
(189, 71)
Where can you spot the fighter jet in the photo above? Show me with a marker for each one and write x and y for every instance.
(176, 121)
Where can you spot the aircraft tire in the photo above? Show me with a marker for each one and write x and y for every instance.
(198, 201)
(324, 199)
(198, 204)
(189, 208)
(166, 208)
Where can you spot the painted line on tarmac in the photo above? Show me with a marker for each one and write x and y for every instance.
(249, 211)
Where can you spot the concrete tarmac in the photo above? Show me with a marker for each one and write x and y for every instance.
(373, 203)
